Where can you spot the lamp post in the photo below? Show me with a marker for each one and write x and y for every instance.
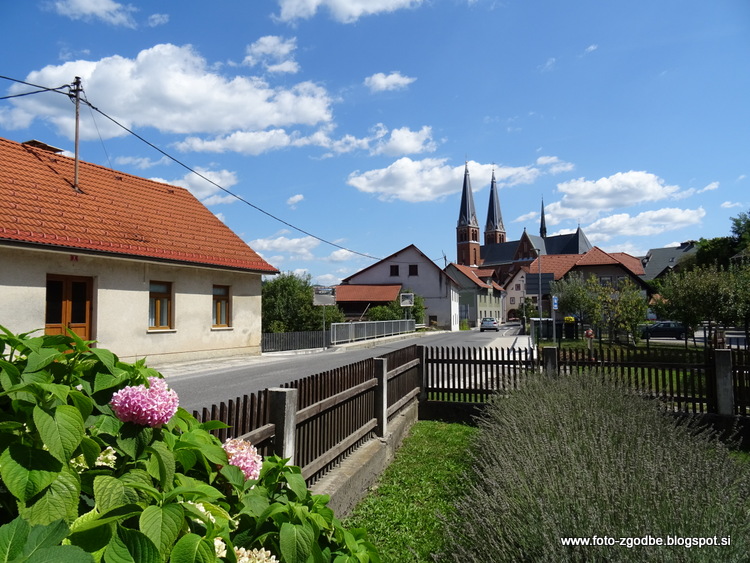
(539, 302)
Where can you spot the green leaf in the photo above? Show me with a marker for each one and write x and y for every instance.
(60, 554)
(90, 450)
(112, 493)
(166, 464)
(58, 501)
(94, 519)
(61, 430)
(295, 542)
(40, 359)
(297, 484)
(45, 536)
(9, 375)
(105, 381)
(27, 471)
(105, 357)
(193, 549)
(133, 439)
(13, 539)
(82, 402)
(162, 525)
(234, 475)
(138, 545)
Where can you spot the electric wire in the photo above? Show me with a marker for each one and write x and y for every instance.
(188, 168)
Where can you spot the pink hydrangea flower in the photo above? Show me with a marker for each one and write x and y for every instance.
(244, 455)
(148, 406)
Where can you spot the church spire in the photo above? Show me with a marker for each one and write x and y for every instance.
(494, 230)
(467, 230)
(543, 223)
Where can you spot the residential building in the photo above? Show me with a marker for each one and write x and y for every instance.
(415, 273)
(658, 262)
(479, 295)
(140, 267)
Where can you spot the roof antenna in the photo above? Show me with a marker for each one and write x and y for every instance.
(76, 90)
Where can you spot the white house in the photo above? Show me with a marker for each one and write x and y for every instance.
(141, 267)
(417, 274)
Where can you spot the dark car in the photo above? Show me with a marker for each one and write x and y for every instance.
(664, 329)
(489, 323)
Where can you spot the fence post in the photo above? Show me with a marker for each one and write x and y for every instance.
(422, 354)
(549, 360)
(724, 382)
(381, 396)
(282, 405)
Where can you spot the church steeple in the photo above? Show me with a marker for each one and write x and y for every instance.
(467, 230)
(494, 230)
(543, 224)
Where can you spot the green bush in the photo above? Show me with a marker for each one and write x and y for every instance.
(87, 479)
(580, 457)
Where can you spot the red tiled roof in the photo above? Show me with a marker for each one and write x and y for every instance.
(478, 275)
(378, 293)
(561, 264)
(114, 213)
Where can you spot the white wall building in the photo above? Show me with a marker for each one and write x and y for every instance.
(416, 273)
(142, 268)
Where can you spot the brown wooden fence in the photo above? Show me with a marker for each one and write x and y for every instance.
(335, 411)
(683, 379)
(472, 375)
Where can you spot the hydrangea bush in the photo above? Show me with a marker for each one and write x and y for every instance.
(98, 463)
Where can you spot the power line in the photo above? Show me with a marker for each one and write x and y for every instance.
(169, 156)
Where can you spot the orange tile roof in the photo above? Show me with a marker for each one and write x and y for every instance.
(379, 293)
(561, 264)
(478, 275)
(114, 213)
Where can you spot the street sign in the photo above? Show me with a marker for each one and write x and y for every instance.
(554, 302)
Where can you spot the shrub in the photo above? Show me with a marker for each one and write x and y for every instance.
(581, 457)
(98, 463)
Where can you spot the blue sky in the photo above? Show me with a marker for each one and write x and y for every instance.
(351, 120)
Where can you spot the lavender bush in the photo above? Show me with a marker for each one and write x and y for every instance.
(581, 457)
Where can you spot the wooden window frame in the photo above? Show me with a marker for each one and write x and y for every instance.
(156, 301)
(219, 300)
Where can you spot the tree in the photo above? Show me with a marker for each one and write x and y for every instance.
(572, 294)
(630, 308)
(288, 305)
(394, 311)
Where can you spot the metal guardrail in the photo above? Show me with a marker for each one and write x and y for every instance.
(352, 332)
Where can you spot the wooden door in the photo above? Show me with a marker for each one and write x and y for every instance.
(69, 305)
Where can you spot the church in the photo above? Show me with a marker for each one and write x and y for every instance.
(503, 256)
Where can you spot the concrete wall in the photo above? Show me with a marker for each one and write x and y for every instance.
(121, 304)
(350, 482)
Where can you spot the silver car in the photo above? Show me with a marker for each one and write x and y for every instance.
(489, 323)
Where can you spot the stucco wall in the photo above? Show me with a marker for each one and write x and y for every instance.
(120, 304)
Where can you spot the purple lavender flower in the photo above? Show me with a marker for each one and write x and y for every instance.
(148, 406)
(244, 455)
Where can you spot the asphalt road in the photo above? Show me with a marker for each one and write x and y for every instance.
(204, 383)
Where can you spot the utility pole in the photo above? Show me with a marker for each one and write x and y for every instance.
(75, 93)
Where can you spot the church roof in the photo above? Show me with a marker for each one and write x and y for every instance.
(467, 215)
(494, 216)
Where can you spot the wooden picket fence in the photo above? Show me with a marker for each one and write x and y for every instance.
(336, 410)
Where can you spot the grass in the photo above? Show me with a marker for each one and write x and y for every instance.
(401, 514)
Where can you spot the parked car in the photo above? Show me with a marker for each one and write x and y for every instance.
(489, 323)
(665, 329)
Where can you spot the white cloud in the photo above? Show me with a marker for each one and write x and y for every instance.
(274, 53)
(155, 20)
(556, 166)
(585, 199)
(104, 10)
(291, 248)
(648, 223)
(380, 82)
(140, 162)
(294, 200)
(730, 204)
(432, 179)
(344, 11)
(172, 89)
(548, 65)
(405, 141)
(590, 49)
(204, 190)
(340, 255)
